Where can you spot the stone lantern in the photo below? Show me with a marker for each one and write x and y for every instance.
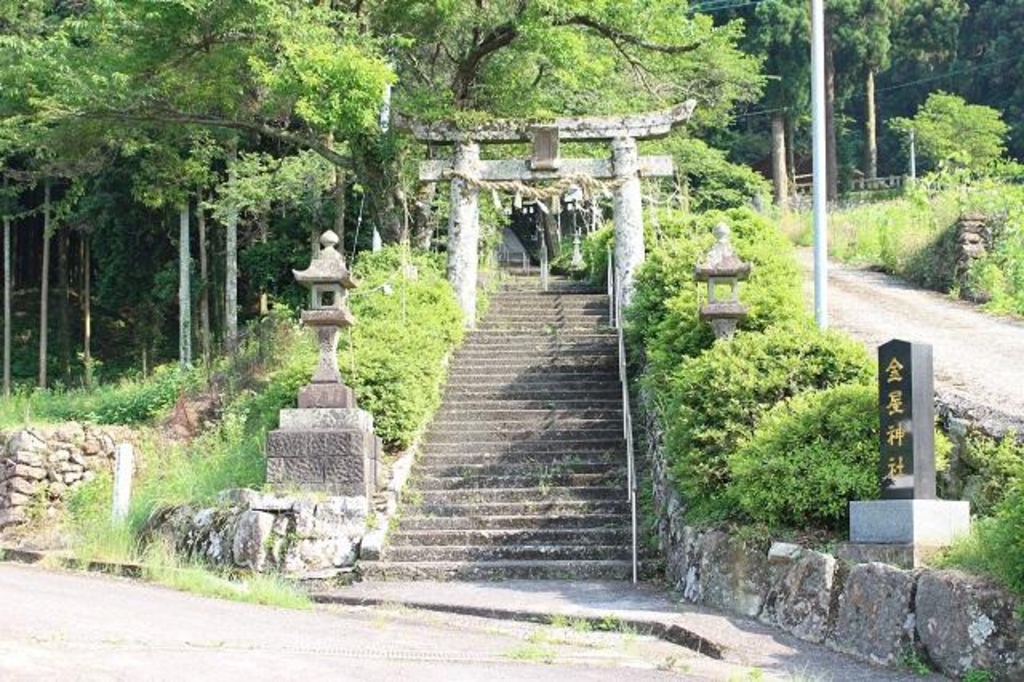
(722, 268)
(329, 280)
(327, 444)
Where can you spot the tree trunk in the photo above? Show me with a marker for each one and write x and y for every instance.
(231, 283)
(231, 272)
(64, 304)
(264, 234)
(550, 223)
(44, 286)
(87, 308)
(339, 211)
(184, 290)
(780, 180)
(424, 222)
(204, 282)
(8, 285)
(831, 160)
(870, 132)
(791, 148)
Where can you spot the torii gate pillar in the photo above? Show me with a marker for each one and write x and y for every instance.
(467, 172)
(464, 229)
(629, 215)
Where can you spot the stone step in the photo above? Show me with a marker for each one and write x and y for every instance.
(428, 468)
(563, 458)
(569, 522)
(481, 414)
(469, 405)
(616, 535)
(591, 341)
(555, 319)
(531, 552)
(520, 508)
(540, 392)
(535, 368)
(603, 362)
(506, 448)
(584, 383)
(597, 340)
(541, 478)
(554, 312)
(564, 329)
(473, 435)
(497, 570)
(525, 300)
(522, 495)
(550, 352)
(516, 310)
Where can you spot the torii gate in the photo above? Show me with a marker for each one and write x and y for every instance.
(468, 174)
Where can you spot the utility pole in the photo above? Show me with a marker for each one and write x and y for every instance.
(819, 151)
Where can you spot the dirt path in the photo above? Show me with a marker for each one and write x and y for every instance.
(978, 358)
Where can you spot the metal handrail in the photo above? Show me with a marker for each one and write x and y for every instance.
(615, 317)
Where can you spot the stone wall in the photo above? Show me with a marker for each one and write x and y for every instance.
(304, 535)
(40, 466)
(872, 611)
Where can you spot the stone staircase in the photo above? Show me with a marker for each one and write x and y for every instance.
(523, 472)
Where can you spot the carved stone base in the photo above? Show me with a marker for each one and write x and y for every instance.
(326, 395)
(327, 450)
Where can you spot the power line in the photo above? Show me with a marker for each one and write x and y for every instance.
(889, 88)
(929, 79)
(722, 5)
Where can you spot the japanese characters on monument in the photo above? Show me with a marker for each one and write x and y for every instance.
(906, 421)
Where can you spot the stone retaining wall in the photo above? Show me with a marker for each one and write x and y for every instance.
(872, 611)
(304, 535)
(40, 466)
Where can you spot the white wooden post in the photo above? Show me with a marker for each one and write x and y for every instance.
(629, 215)
(464, 229)
(124, 466)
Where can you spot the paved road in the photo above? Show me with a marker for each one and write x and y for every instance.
(978, 358)
(85, 627)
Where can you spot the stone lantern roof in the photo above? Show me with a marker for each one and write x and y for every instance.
(328, 267)
(722, 261)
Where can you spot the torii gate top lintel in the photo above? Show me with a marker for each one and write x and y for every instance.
(583, 128)
(469, 174)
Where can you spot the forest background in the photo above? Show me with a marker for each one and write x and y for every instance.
(165, 164)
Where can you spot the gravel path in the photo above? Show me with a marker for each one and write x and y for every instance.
(978, 358)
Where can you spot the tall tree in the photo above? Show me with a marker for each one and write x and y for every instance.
(44, 283)
(780, 31)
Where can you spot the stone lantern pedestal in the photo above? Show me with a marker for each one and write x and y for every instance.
(327, 444)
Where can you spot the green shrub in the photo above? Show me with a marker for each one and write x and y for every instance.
(714, 401)
(808, 457)
(713, 182)
(663, 316)
(987, 468)
(130, 401)
(400, 340)
(595, 254)
(996, 544)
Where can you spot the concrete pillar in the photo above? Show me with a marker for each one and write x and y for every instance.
(629, 215)
(124, 467)
(464, 230)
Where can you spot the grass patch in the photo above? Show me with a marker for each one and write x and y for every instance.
(535, 653)
(160, 566)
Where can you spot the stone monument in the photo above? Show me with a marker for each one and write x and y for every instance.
(722, 268)
(908, 523)
(327, 444)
